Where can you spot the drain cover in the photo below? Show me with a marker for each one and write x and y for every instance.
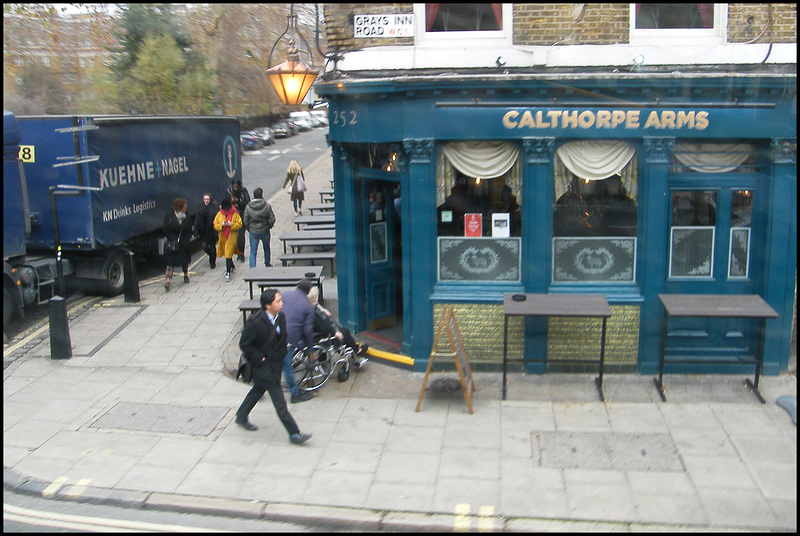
(162, 418)
(633, 452)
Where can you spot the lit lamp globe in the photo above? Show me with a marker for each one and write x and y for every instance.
(292, 80)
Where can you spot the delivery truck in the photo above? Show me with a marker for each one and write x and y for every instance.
(98, 187)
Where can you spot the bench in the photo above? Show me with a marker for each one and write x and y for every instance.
(326, 194)
(321, 243)
(249, 306)
(321, 207)
(310, 256)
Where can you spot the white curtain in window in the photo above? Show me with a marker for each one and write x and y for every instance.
(712, 157)
(595, 160)
(484, 159)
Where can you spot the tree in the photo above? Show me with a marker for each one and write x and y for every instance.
(158, 70)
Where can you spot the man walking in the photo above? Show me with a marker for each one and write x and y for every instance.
(263, 342)
(300, 332)
(258, 220)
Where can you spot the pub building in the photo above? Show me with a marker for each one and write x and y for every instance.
(459, 185)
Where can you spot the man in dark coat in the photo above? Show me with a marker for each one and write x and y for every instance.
(299, 333)
(239, 197)
(263, 342)
(204, 228)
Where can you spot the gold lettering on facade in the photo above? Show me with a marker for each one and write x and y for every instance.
(608, 119)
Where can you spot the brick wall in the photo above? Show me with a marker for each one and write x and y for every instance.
(549, 24)
(339, 25)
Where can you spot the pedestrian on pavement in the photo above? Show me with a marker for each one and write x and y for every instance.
(239, 197)
(204, 228)
(300, 333)
(295, 177)
(227, 223)
(325, 324)
(178, 230)
(263, 343)
(258, 220)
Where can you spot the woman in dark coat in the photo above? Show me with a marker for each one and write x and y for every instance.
(204, 227)
(178, 226)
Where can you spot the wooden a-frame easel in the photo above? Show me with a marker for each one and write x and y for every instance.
(448, 320)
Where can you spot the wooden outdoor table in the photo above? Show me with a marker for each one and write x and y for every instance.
(306, 235)
(546, 305)
(715, 306)
(312, 221)
(284, 276)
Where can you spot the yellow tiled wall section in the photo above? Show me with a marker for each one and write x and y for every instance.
(481, 328)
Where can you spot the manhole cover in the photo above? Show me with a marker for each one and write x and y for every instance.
(162, 418)
(632, 452)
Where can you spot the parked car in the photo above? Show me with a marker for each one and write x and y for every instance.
(285, 129)
(303, 119)
(282, 130)
(293, 126)
(250, 141)
(266, 134)
(321, 116)
(260, 141)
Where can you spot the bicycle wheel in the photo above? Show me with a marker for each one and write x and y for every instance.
(311, 376)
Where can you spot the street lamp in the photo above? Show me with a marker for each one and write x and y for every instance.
(291, 79)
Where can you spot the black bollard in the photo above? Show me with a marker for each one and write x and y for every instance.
(131, 280)
(60, 342)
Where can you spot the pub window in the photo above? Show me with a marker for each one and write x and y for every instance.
(460, 24)
(741, 217)
(595, 212)
(690, 157)
(463, 17)
(479, 211)
(661, 16)
(694, 219)
(691, 23)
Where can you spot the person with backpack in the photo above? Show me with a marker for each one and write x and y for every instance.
(258, 220)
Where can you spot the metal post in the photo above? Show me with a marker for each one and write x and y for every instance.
(131, 279)
(60, 342)
(56, 241)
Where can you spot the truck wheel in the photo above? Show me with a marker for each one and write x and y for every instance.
(114, 282)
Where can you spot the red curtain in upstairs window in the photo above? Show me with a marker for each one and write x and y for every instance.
(497, 9)
(706, 14)
(430, 15)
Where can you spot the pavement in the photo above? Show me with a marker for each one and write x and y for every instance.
(142, 416)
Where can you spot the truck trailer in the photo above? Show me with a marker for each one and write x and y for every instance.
(99, 187)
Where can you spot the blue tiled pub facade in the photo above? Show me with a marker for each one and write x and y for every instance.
(390, 248)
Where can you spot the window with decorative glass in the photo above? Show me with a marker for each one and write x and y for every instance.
(595, 212)
(479, 211)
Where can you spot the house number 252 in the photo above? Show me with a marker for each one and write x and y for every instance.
(345, 118)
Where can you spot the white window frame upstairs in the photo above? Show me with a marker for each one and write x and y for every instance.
(715, 35)
(499, 38)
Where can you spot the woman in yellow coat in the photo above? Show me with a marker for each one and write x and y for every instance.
(227, 223)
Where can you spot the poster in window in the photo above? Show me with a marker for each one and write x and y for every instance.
(501, 225)
(378, 248)
(691, 252)
(473, 225)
